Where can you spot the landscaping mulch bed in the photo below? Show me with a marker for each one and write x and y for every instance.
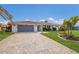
(69, 37)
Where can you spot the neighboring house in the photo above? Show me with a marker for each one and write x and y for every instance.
(2, 27)
(30, 26)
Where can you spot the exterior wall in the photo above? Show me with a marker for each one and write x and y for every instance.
(51, 27)
(0, 29)
(57, 28)
(35, 28)
(14, 28)
(41, 27)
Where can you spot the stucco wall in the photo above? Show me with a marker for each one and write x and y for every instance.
(35, 28)
(41, 28)
(14, 28)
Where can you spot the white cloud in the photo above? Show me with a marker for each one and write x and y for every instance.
(27, 20)
(50, 20)
(54, 21)
(77, 24)
(42, 20)
(60, 21)
(5, 22)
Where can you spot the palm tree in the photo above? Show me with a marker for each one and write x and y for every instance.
(73, 21)
(64, 26)
(5, 14)
(67, 26)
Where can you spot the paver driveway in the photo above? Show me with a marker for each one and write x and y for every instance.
(31, 43)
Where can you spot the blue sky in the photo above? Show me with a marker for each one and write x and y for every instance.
(41, 11)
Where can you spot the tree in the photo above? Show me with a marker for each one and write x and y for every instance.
(69, 24)
(46, 21)
(5, 14)
(73, 21)
(64, 26)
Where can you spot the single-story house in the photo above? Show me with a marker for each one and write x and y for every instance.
(30, 26)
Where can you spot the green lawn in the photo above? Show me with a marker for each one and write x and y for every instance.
(4, 35)
(70, 44)
(76, 33)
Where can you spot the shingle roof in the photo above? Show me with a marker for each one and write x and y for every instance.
(31, 23)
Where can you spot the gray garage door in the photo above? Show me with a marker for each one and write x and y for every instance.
(25, 28)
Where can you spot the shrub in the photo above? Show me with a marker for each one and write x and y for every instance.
(54, 29)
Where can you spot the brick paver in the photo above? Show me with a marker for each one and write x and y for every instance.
(31, 43)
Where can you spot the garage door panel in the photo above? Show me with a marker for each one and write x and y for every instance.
(25, 28)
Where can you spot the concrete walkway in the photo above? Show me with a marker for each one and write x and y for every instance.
(31, 43)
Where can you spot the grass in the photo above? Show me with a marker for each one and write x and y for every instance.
(68, 43)
(76, 33)
(4, 34)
